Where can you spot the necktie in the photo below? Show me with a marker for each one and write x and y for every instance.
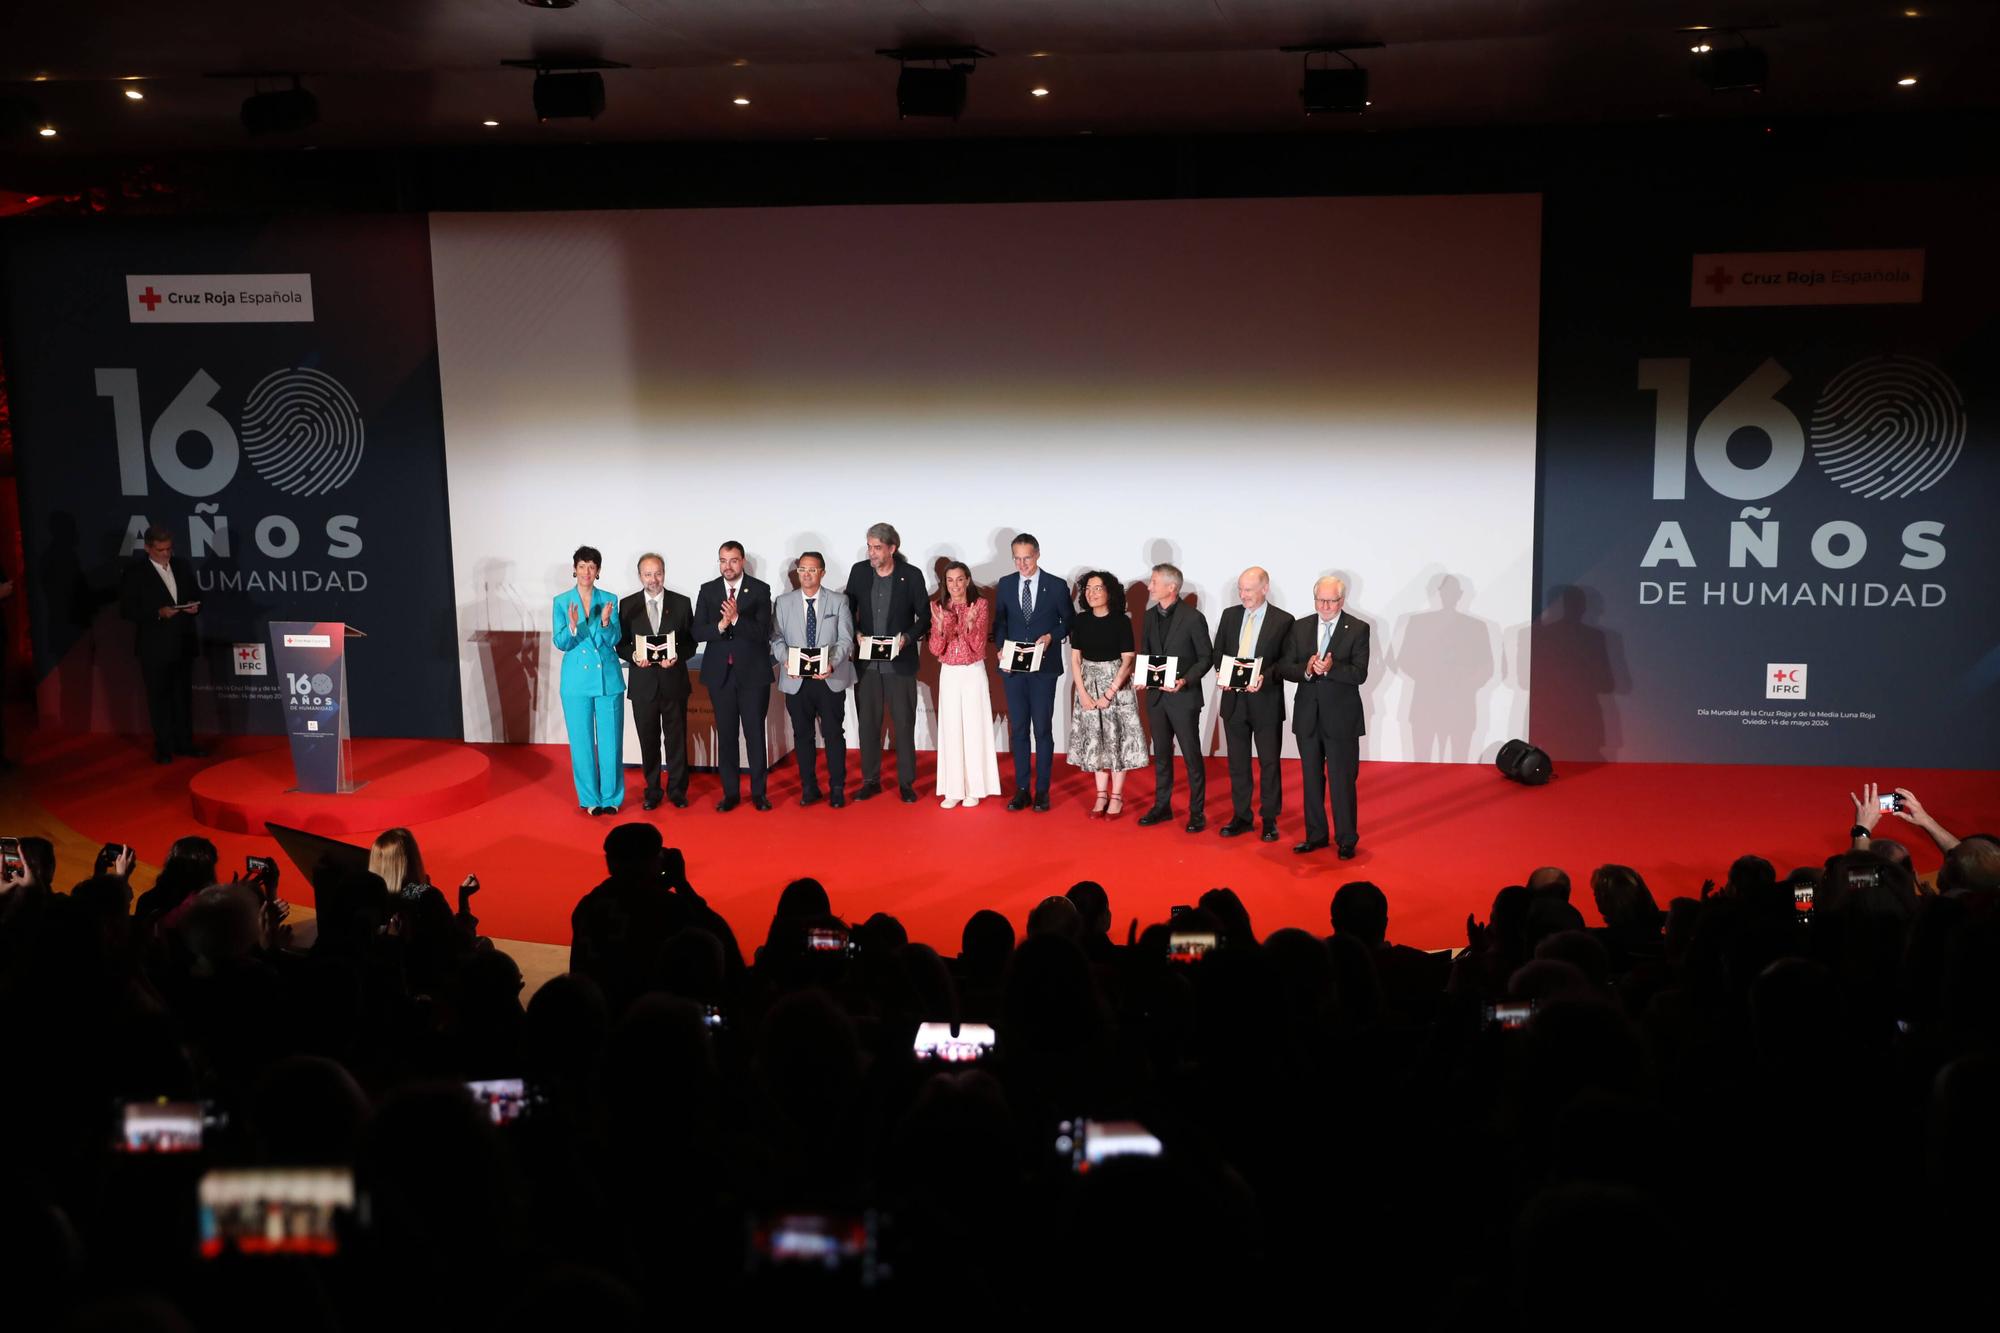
(812, 624)
(653, 613)
(1325, 635)
(1028, 596)
(1246, 642)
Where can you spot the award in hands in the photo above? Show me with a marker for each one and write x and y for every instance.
(1239, 673)
(1018, 656)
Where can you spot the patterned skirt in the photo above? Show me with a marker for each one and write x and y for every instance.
(1111, 738)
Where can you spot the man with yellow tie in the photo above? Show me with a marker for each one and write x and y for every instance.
(1253, 713)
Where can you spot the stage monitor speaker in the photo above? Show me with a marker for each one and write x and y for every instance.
(1523, 763)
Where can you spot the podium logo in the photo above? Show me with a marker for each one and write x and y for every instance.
(250, 660)
(1785, 680)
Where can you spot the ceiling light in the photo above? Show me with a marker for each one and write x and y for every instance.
(47, 131)
(740, 101)
(1701, 50)
(490, 124)
(1907, 82)
(548, 4)
(135, 94)
(1038, 92)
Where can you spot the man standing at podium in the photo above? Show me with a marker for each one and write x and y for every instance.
(157, 596)
(658, 688)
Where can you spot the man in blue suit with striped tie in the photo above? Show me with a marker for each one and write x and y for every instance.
(1030, 607)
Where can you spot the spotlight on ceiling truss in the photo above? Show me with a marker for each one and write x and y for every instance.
(285, 111)
(932, 82)
(1331, 89)
(1728, 67)
(567, 88)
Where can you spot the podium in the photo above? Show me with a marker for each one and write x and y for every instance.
(310, 659)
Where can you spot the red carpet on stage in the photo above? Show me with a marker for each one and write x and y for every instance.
(402, 782)
(1440, 839)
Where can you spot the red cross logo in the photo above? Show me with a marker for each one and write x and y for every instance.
(247, 654)
(1784, 675)
(1718, 279)
(150, 298)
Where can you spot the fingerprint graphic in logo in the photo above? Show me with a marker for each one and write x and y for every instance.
(1888, 426)
(302, 431)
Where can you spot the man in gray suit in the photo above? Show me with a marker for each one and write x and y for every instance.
(812, 617)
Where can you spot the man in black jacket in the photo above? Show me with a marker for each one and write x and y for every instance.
(889, 601)
(1175, 629)
(732, 622)
(658, 689)
(157, 596)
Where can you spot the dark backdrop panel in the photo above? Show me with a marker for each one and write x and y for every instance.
(359, 382)
(1677, 660)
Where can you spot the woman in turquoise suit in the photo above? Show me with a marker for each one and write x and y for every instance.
(593, 686)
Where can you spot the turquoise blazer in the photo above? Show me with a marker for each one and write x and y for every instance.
(590, 663)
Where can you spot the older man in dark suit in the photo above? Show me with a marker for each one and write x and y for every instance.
(658, 689)
(1254, 713)
(1328, 657)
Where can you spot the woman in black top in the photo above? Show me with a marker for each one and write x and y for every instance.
(1104, 734)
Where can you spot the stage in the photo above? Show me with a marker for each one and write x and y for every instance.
(1438, 838)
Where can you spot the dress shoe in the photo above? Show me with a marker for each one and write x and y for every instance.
(810, 798)
(678, 802)
(1042, 804)
(760, 803)
(1347, 852)
(1234, 827)
(1021, 801)
(1159, 814)
(909, 795)
(868, 791)
(836, 800)
(971, 802)
(947, 804)
(652, 801)
(727, 803)
(1270, 833)
(605, 810)
(1197, 823)
(1310, 845)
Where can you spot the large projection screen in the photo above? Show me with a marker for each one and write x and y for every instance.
(1311, 385)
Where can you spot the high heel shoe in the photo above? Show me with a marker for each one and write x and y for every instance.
(1097, 811)
(1116, 808)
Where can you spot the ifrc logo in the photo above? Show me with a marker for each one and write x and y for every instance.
(250, 660)
(1785, 680)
